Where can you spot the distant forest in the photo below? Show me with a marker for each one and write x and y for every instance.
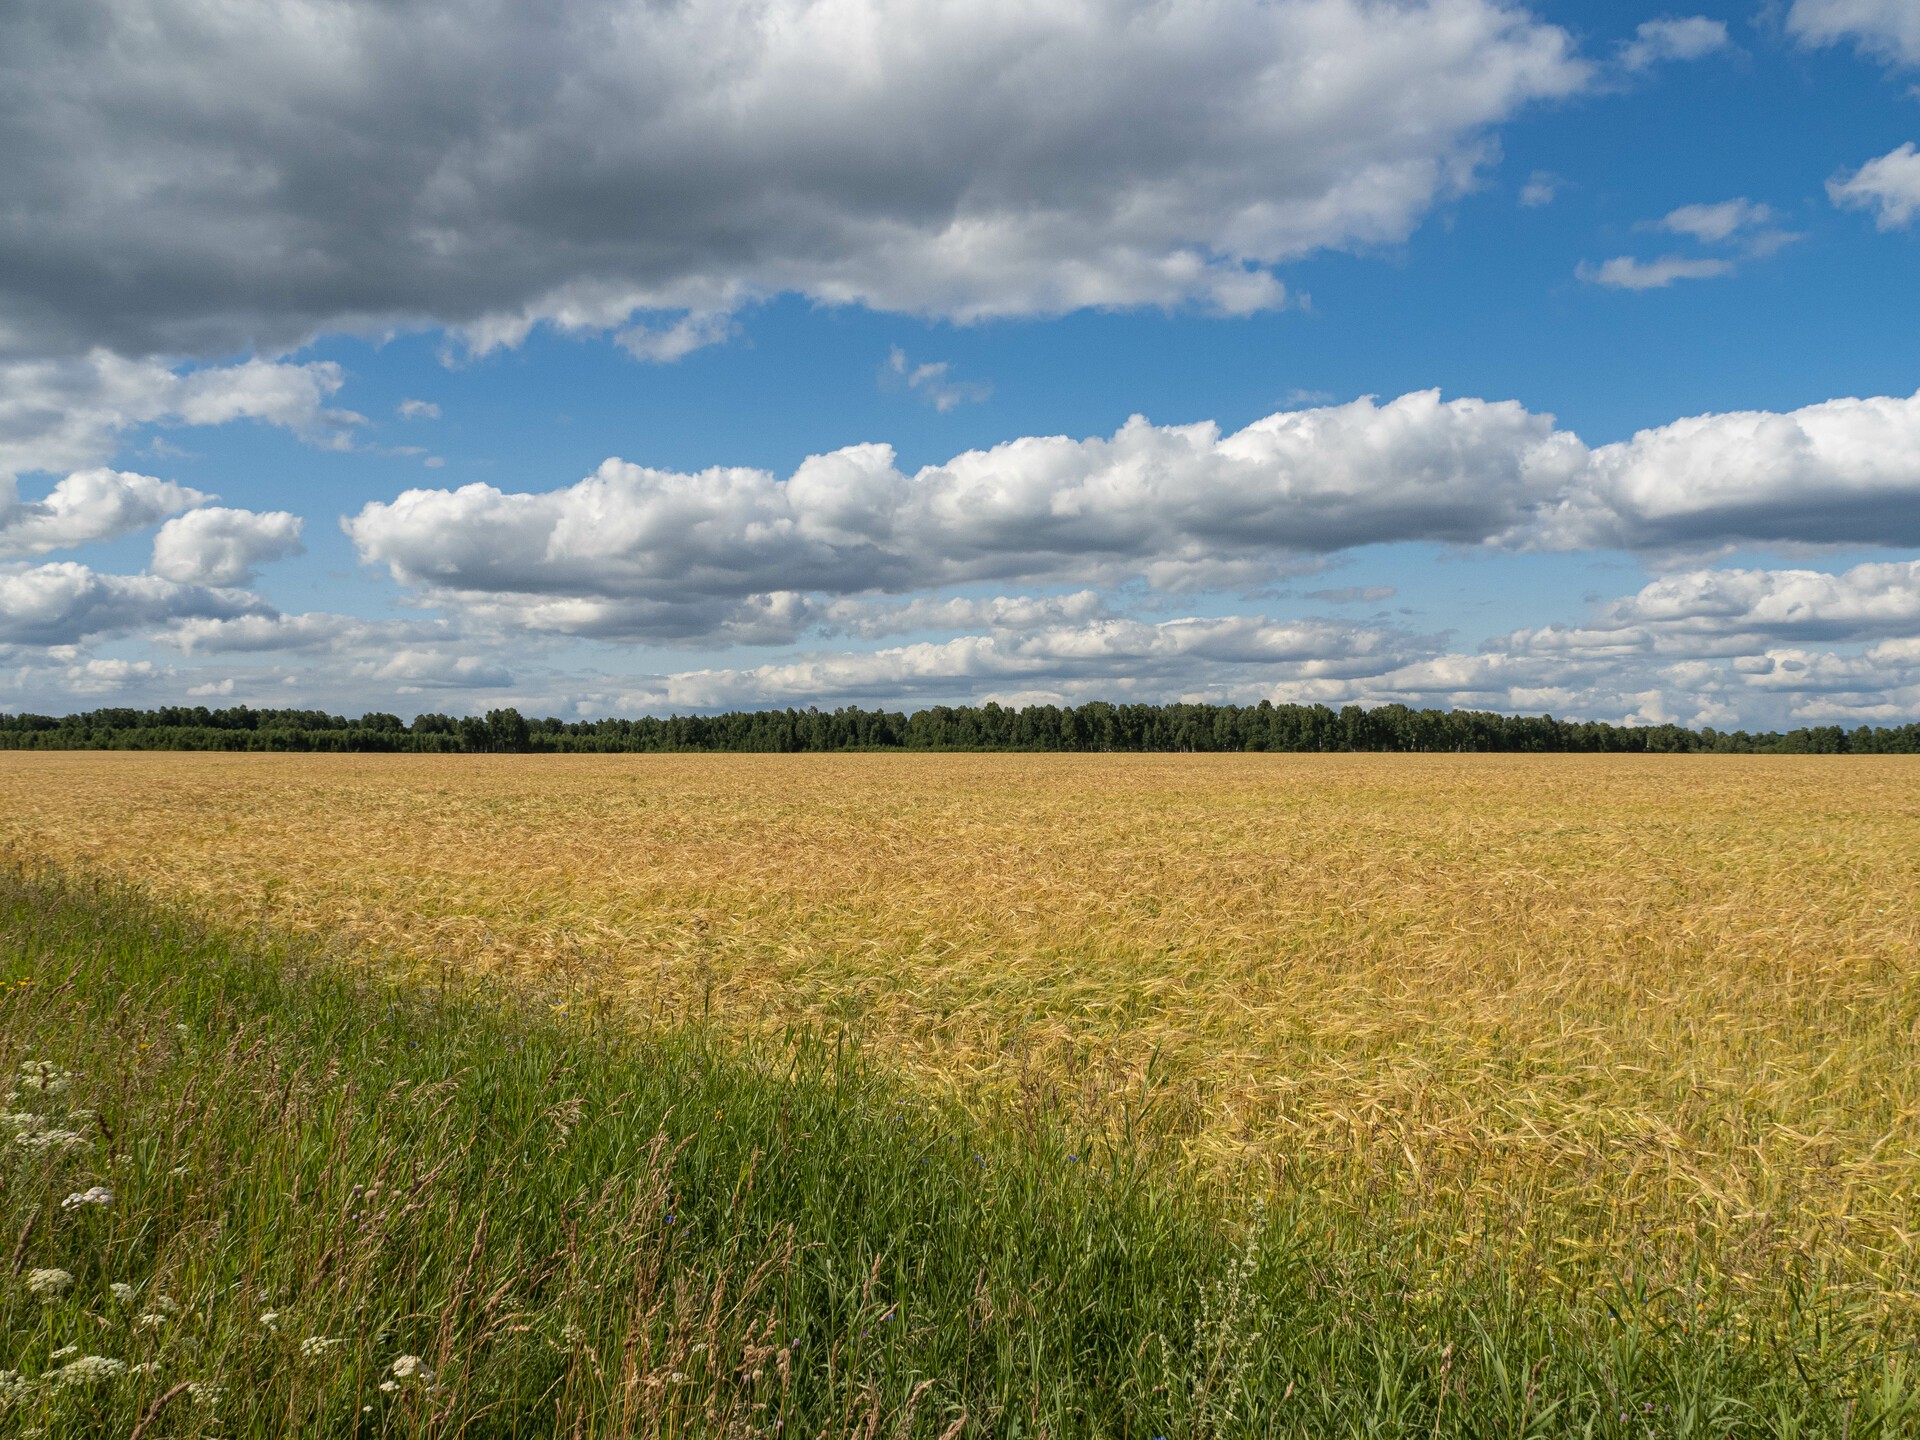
(1093, 727)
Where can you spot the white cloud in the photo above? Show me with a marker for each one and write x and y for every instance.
(1841, 471)
(1712, 224)
(1109, 658)
(85, 507)
(637, 551)
(418, 410)
(1743, 611)
(312, 632)
(1624, 272)
(933, 381)
(1888, 186)
(1687, 38)
(66, 604)
(740, 555)
(932, 613)
(68, 414)
(1355, 594)
(1888, 28)
(220, 546)
(663, 344)
(1539, 190)
(193, 180)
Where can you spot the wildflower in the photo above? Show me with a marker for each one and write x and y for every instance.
(44, 1076)
(49, 1283)
(15, 1389)
(92, 1195)
(203, 1392)
(314, 1346)
(408, 1367)
(270, 1319)
(389, 1386)
(123, 1293)
(49, 1139)
(166, 1304)
(89, 1370)
(149, 1321)
(64, 1351)
(145, 1367)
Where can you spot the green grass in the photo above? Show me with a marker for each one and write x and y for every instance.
(579, 1228)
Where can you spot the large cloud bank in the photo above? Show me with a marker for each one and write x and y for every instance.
(733, 553)
(189, 178)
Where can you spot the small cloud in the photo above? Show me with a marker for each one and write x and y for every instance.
(1355, 594)
(1296, 398)
(932, 381)
(1711, 224)
(663, 345)
(434, 462)
(1740, 225)
(1623, 272)
(1888, 186)
(212, 688)
(1540, 189)
(161, 448)
(1686, 38)
(419, 410)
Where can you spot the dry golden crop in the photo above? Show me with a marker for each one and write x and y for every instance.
(1588, 1014)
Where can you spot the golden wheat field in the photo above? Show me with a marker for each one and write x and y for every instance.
(1591, 1015)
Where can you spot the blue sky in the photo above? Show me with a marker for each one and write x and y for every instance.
(1552, 357)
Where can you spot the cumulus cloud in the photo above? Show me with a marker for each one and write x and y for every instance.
(743, 556)
(1841, 471)
(1888, 28)
(418, 410)
(194, 180)
(220, 546)
(313, 632)
(1888, 186)
(1686, 38)
(64, 414)
(639, 551)
(1739, 611)
(65, 603)
(872, 620)
(85, 507)
(1107, 657)
(1623, 272)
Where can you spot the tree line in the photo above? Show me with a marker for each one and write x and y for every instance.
(1094, 727)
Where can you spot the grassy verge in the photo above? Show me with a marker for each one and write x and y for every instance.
(250, 1191)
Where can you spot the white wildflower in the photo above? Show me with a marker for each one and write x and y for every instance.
(92, 1195)
(64, 1351)
(15, 1389)
(408, 1367)
(270, 1319)
(49, 1282)
(123, 1293)
(145, 1367)
(389, 1386)
(166, 1304)
(204, 1392)
(149, 1321)
(315, 1346)
(89, 1370)
(17, 1120)
(44, 1076)
(49, 1139)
